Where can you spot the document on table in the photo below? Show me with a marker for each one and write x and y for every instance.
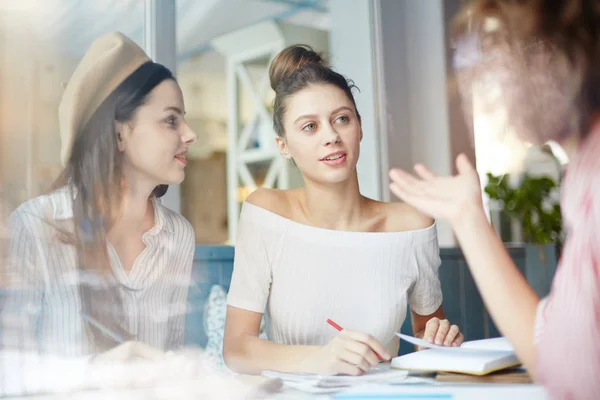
(495, 344)
(314, 383)
(476, 358)
(373, 391)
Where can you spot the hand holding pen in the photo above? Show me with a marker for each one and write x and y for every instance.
(349, 353)
(123, 350)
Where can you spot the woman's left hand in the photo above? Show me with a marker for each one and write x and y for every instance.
(444, 197)
(440, 332)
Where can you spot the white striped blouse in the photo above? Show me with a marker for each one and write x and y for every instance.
(41, 309)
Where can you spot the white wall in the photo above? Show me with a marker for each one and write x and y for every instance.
(414, 101)
(351, 55)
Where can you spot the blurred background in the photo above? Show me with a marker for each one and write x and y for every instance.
(398, 52)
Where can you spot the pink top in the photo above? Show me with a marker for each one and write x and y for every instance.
(568, 320)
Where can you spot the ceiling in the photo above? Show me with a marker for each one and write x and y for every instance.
(70, 26)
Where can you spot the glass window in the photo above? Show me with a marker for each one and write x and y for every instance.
(224, 54)
(41, 42)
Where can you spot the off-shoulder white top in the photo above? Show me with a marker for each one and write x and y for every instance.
(300, 276)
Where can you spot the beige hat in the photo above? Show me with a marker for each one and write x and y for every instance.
(107, 63)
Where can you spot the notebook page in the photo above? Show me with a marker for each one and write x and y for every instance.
(439, 360)
(500, 344)
(497, 344)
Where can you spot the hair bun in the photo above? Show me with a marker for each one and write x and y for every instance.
(290, 60)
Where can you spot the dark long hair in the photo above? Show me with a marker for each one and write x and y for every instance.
(569, 30)
(93, 176)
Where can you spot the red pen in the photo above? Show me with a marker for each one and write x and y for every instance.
(336, 326)
(339, 328)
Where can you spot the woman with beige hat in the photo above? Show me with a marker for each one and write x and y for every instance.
(99, 262)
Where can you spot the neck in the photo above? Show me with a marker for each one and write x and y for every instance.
(570, 146)
(572, 143)
(335, 206)
(135, 208)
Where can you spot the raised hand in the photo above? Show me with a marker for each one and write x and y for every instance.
(445, 197)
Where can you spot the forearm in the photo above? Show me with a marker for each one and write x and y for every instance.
(250, 355)
(419, 322)
(507, 295)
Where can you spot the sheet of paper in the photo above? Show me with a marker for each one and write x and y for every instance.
(496, 344)
(379, 373)
(477, 348)
(313, 383)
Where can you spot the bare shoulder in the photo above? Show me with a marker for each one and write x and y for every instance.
(274, 200)
(404, 217)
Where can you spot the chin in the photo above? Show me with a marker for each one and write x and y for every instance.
(334, 178)
(174, 178)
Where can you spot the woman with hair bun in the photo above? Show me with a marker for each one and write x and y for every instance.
(324, 250)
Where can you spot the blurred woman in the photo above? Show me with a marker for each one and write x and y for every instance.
(545, 57)
(99, 262)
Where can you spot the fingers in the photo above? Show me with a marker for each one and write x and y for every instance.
(443, 328)
(141, 350)
(358, 353)
(424, 172)
(440, 332)
(458, 340)
(431, 329)
(397, 175)
(408, 195)
(363, 351)
(355, 359)
(406, 181)
(408, 187)
(398, 191)
(369, 341)
(453, 332)
(129, 351)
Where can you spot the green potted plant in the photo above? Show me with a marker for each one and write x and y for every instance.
(539, 216)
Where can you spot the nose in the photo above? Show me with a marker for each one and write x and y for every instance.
(189, 137)
(331, 136)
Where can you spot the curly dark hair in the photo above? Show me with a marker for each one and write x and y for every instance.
(546, 54)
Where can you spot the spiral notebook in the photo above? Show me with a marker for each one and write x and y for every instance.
(479, 357)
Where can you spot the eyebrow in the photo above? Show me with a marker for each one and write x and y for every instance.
(176, 109)
(307, 116)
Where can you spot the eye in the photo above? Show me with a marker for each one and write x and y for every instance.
(172, 120)
(309, 127)
(342, 119)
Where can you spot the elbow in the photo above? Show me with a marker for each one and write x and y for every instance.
(234, 357)
(230, 355)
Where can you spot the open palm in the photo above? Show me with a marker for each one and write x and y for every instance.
(444, 197)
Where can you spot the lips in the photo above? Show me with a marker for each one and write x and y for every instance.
(334, 156)
(181, 157)
(334, 159)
